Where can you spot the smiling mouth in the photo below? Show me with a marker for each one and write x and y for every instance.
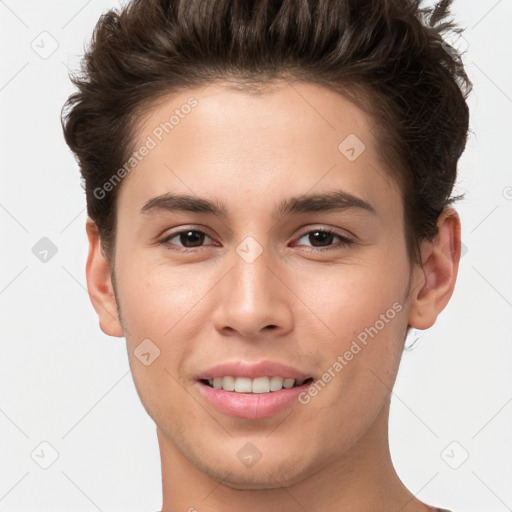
(258, 385)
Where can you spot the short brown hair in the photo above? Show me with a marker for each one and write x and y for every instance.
(388, 56)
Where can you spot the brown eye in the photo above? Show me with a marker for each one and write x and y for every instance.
(187, 238)
(323, 238)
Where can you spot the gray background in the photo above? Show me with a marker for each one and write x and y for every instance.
(66, 384)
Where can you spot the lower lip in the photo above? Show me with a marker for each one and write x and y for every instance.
(252, 406)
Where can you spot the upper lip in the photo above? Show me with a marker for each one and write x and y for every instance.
(252, 370)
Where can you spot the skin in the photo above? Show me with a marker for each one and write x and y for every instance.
(209, 305)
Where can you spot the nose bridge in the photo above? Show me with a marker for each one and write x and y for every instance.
(250, 296)
(250, 279)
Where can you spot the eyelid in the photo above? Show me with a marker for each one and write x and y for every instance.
(184, 229)
(345, 239)
(335, 231)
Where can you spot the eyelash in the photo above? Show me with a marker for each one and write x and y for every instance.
(344, 241)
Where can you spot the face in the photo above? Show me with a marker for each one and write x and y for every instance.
(248, 270)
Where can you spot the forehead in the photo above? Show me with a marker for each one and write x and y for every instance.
(283, 139)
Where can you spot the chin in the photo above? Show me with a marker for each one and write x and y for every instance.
(272, 475)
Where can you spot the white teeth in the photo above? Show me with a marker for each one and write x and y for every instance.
(288, 383)
(243, 385)
(261, 385)
(228, 383)
(257, 385)
(276, 383)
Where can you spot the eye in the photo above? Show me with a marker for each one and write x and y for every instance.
(189, 238)
(325, 237)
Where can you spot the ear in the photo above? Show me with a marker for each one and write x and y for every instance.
(99, 284)
(435, 279)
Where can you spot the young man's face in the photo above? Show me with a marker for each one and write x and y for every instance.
(262, 286)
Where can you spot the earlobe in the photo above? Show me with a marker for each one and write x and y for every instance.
(99, 284)
(435, 280)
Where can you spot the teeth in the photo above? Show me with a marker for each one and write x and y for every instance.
(257, 385)
(276, 383)
(243, 385)
(260, 385)
(288, 383)
(227, 383)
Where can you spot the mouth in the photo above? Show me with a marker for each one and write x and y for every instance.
(252, 390)
(258, 385)
(252, 399)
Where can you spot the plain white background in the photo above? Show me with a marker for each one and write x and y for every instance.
(67, 385)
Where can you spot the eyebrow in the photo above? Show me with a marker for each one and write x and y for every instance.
(336, 200)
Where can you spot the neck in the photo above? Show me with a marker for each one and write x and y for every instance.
(362, 480)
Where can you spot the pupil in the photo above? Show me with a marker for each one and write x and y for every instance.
(195, 238)
(189, 236)
(323, 236)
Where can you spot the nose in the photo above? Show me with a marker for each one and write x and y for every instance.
(254, 298)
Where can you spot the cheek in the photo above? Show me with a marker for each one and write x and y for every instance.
(157, 304)
(154, 304)
(346, 299)
(361, 314)
(156, 299)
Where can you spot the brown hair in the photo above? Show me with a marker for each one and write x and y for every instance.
(389, 56)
